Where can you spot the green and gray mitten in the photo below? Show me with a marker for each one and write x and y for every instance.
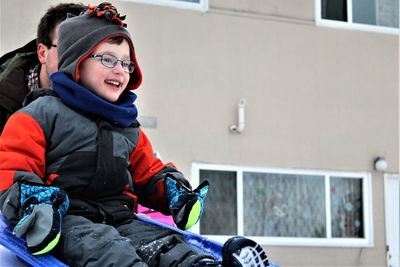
(186, 205)
(43, 208)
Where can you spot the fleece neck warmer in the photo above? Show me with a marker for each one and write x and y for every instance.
(121, 113)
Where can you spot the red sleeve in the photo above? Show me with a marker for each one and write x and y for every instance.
(144, 165)
(22, 148)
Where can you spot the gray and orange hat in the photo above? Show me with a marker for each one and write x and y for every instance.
(79, 36)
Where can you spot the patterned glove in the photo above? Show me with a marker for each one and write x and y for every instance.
(43, 207)
(186, 205)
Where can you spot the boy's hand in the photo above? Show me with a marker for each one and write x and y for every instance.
(44, 207)
(186, 205)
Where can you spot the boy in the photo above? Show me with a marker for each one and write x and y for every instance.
(74, 163)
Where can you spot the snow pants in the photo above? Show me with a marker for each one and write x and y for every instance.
(136, 243)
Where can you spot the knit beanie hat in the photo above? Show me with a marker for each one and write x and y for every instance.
(79, 36)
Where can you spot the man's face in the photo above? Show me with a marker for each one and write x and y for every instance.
(52, 56)
(48, 59)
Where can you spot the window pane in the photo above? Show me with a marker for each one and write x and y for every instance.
(376, 12)
(284, 205)
(388, 13)
(334, 10)
(364, 12)
(346, 207)
(220, 214)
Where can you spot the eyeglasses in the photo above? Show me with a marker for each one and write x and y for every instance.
(110, 62)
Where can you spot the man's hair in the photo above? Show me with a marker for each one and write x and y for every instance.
(52, 17)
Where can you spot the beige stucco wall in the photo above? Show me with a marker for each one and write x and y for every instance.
(317, 98)
(300, 9)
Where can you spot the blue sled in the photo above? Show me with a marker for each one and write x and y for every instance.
(18, 246)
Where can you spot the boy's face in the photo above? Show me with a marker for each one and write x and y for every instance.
(108, 83)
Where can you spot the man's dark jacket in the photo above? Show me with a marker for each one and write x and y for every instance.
(14, 68)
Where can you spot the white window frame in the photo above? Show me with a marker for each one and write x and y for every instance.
(329, 241)
(201, 6)
(350, 25)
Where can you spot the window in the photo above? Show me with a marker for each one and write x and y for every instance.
(286, 207)
(370, 15)
(201, 5)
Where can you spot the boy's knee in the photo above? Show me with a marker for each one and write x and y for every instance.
(95, 237)
(96, 244)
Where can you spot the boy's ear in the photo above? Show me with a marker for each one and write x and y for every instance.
(42, 51)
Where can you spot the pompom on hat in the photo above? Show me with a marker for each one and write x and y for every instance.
(79, 36)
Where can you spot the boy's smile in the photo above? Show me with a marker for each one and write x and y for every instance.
(106, 82)
(114, 83)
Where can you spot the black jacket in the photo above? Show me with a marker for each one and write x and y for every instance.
(14, 67)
